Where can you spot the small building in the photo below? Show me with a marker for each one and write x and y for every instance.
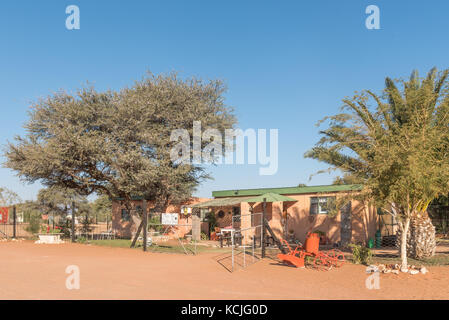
(305, 211)
(125, 222)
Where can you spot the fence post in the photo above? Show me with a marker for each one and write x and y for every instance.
(73, 222)
(196, 228)
(14, 221)
(145, 224)
(263, 226)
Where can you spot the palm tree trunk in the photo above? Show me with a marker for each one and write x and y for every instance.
(404, 226)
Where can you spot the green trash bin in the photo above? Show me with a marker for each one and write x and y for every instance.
(378, 239)
(370, 243)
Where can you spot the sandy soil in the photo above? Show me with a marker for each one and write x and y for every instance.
(31, 271)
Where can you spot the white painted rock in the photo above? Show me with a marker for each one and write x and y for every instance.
(414, 271)
(395, 271)
(371, 268)
(423, 270)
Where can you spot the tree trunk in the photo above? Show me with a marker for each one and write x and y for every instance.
(404, 232)
(420, 240)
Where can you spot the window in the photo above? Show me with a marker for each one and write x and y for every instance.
(125, 215)
(203, 214)
(321, 205)
(236, 214)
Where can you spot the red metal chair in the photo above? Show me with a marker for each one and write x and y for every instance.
(293, 257)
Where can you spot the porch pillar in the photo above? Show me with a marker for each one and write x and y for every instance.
(245, 223)
(276, 219)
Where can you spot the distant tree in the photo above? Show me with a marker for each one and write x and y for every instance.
(55, 201)
(300, 185)
(8, 197)
(400, 151)
(102, 208)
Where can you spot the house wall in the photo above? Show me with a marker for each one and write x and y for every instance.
(127, 229)
(364, 219)
(283, 216)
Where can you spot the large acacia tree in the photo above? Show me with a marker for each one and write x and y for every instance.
(117, 143)
(397, 144)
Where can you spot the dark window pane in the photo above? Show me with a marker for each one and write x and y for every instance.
(313, 208)
(125, 215)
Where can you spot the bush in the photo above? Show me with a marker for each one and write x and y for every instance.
(212, 220)
(81, 240)
(204, 236)
(85, 224)
(35, 224)
(65, 227)
(361, 254)
(154, 223)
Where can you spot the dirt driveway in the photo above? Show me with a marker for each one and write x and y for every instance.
(31, 271)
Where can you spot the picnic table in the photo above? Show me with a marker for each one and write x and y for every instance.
(234, 235)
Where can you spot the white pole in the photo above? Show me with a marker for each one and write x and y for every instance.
(232, 246)
(253, 247)
(244, 256)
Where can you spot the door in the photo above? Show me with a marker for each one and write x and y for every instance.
(345, 225)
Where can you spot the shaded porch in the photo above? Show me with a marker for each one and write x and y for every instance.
(242, 216)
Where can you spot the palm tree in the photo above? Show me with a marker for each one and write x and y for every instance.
(399, 150)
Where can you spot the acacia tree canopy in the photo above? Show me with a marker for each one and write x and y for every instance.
(118, 143)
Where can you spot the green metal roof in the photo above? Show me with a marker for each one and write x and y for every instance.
(287, 190)
(222, 202)
(270, 197)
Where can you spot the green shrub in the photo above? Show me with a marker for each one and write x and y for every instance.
(65, 226)
(81, 240)
(35, 223)
(154, 223)
(212, 220)
(204, 236)
(361, 254)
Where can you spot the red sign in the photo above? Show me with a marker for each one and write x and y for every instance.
(4, 214)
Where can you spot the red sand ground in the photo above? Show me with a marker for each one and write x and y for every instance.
(31, 271)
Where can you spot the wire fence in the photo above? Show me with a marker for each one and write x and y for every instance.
(244, 238)
(22, 230)
(161, 236)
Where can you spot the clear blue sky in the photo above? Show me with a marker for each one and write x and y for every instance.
(287, 64)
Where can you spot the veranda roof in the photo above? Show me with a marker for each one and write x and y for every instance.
(270, 197)
(221, 202)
